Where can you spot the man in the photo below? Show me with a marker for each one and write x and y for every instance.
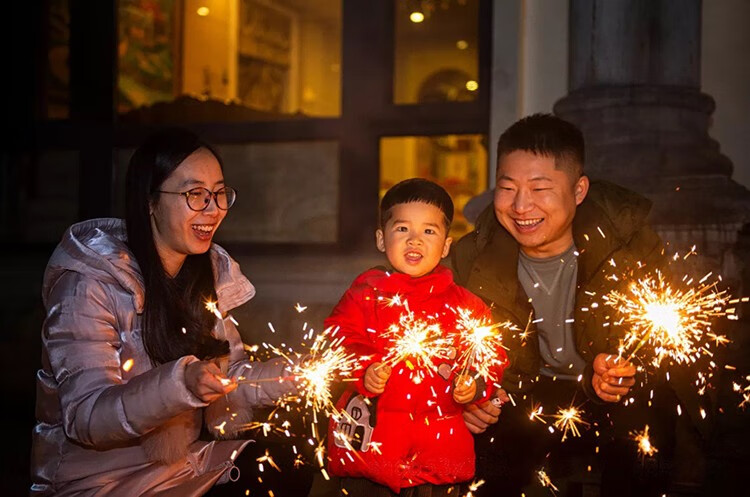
(540, 255)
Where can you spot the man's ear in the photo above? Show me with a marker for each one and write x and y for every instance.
(446, 247)
(380, 240)
(581, 189)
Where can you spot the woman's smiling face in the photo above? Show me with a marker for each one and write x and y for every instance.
(178, 230)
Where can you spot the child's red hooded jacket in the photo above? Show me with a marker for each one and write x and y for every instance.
(413, 433)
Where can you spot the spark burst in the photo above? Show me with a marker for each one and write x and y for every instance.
(675, 322)
(569, 420)
(479, 342)
(644, 443)
(327, 361)
(413, 338)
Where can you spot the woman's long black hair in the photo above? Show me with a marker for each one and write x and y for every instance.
(172, 304)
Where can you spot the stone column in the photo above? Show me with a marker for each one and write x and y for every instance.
(634, 81)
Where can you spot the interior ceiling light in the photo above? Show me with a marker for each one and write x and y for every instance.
(203, 11)
(416, 16)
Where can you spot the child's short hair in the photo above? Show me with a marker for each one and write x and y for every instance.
(546, 134)
(417, 190)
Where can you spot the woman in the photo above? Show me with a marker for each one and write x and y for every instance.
(133, 365)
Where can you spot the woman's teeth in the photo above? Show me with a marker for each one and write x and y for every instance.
(204, 228)
(528, 222)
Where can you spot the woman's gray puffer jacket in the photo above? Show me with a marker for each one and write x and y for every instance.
(105, 427)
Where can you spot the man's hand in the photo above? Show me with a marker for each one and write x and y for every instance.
(464, 389)
(376, 376)
(479, 417)
(612, 378)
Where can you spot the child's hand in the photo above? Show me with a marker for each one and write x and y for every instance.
(464, 389)
(376, 376)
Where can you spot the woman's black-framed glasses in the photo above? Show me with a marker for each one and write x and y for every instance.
(199, 198)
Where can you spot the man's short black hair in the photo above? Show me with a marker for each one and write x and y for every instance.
(548, 135)
(416, 190)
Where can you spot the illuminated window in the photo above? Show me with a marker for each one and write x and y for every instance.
(456, 162)
(436, 56)
(245, 59)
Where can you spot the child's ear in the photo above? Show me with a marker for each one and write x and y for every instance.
(380, 240)
(447, 247)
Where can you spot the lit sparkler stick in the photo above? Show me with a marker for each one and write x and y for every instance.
(568, 420)
(479, 342)
(315, 375)
(644, 443)
(675, 322)
(414, 338)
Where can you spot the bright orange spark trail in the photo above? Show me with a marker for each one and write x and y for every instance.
(675, 322)
(479, 342)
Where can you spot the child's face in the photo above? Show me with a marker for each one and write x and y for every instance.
(414, 239)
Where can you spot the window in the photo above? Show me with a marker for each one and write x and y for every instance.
(242, 59)
(456, 162)
(436, 55)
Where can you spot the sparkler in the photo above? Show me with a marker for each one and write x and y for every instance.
(327, 361)
(479, 342)
(676, 322)
(644, 443)
(568, 420)
(416, 339)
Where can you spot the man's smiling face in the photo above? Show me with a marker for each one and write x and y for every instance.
(536, 202)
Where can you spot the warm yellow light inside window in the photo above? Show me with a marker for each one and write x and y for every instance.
(472, 85)
(416, 17)
(462, 44)
(203, 11)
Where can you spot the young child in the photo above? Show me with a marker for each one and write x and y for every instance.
(403, 425)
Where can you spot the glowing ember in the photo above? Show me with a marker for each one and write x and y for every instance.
(267, 458)
(644, 443)
(213, 307)
(569, 420)
(546, 482)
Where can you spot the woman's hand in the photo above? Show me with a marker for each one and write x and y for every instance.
(205, 380)
(464, 389)
(376, 376)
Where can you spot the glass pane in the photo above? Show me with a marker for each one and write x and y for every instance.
(436, 56)
(228, 60)
(287, 192)
(57, 80)
(456, 162)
